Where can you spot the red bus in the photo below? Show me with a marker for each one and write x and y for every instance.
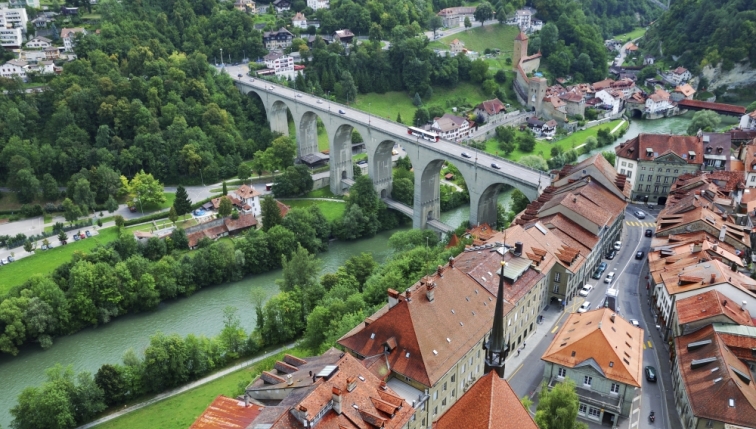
(425, 135)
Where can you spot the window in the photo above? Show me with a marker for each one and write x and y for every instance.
(435, 396)
(587, 380)
(664, 190)
(557, 276)
(658, 179)
(435, 410)
(629, 174)
(582, 409)
(642, 176)
(444, 386)
(624, 163)
(453, 378)
(648, 188)
(443, 402)
(454, 393)
(630, 166)
(562, 372)
(640, 185)
(753, 178)
(622, 171)
(463, 367)
(650, 176)
(656, 189)
(556, 288)
(668, 170)
(659, 170)
(615, 388)
(594, 412)
(471, 361)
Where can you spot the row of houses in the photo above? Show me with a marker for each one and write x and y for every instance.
(282, 38)
(700, 291)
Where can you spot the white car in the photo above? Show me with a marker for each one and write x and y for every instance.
(584, 307)
(634, 323)
(586, 290)
(617, 245)
(609, 278)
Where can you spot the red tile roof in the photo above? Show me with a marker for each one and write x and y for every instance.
(492, 107)
(710, 385)
(226, 413)
(490, 403)
(709, 304)
(660, 144)
(615, 345)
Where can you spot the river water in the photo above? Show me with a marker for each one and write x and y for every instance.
(202, 313)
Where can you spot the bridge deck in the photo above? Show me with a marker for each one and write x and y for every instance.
(396, 205)
(725, 109)
(440, 226)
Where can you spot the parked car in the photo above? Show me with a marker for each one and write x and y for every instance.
(76, 237)
(11, 259)
(640, 254)
(586, 290)
(465, 155)
(617, 245)
(611, 254)
(609, 278)
(597, 274)
(634, 323)
(319, 101)
(495, 165)
(602, 267)
(650, 373)
(649, 233)
(639, 214)
(240, 75)
(89, 234)
(82, 235)
(44, 247)
(584, 307)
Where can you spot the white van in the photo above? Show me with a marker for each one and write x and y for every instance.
(585, 307)
(609, 278)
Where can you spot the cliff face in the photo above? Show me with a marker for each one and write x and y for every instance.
(740, 75)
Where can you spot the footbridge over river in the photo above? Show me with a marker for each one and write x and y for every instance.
(380, 135)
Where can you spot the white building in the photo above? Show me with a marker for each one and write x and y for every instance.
(39, 43)
(658, 101)
(11, 37)
(522, 18)
(456, 46)
(299, 21)
(318, 4)
(13, 18)
(24, 3)
(748, 121)
(451, 127)
(282, 65)
(13, 68)
(249, 199)
(68, 35)
(680, 75)
(611, 98)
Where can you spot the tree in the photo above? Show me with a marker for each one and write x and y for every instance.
(119, 221)
(399, 118)
(609, 156)
(295, 180)
(182, 203)
(421, 117)
(403, 241)
(484, 12)
(519, 201)
(704, 120)
(417, 101)
(232, 336)
(435, 22)
(82, 195)
(224, 189)
(468, 24)
(361, 267)
(26, 186)
(71, 211)
(225, 207)
(549, 38)
(403, 190)
(751, 107)
(111, 204)
(144, 187)
(500, 76)
(28, 246)
(526, 142)
(557, 408)
(179, 239)
(62, 236)
(270, 213)
(646, 73)
(282, 152)
(165, 362)
(50, 190)
(243, 171)
(478, 71)
(534, 161)
(110, 379)
(172, 215)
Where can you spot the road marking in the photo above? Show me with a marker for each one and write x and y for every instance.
(555, 328)
(515, 372)
(650, 346)
(634, 424)
(644, 346)
(636, 410)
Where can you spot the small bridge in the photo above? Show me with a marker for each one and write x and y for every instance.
(406, 210)
(721, 108)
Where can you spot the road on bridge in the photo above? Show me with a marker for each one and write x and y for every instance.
(451, 151)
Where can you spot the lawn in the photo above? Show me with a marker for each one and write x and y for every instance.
(321, 193)
(331, 210)
(543, 147)
(481, 38)
(638, 32)
(47, 261)
(8, 201)
(180, 411)
(170, 197)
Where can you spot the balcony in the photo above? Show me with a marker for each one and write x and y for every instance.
(589, 396)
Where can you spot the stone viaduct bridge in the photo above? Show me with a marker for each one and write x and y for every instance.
(483, 181)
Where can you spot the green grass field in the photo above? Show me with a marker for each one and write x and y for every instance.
(626, 37)
(47, 261)
(321, 193)
(169, 199)
(543, 148)
(180, 411)
(331, 210)
(481, 38)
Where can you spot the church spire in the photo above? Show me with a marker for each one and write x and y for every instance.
(497, 348)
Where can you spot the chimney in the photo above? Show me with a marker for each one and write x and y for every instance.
(393, 297)
(430, 291)
(351, 383)
(722, 232)
(743, 305)
(612, 317)
(713, 277)
(336, 397)
(246, 401)
(440, 271)
(289, 380)
(451, 261)
(383, 385)
(714, 246)
(408, 294)
(518, 249)
(724, 303)
(697, 246)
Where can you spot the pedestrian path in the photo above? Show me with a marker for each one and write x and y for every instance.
(639, 223)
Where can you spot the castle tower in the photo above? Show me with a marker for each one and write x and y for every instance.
(520, 49)
(496, 347)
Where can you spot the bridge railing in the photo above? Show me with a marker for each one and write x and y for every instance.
(337, 104)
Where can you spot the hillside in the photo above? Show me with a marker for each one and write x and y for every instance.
(612, 17)
(702, 32)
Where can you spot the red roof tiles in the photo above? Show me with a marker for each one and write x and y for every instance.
(226, 413)
(709, 304)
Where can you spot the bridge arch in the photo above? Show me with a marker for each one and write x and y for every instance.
(483, 205)
(278, 118)
(380, 166)
(307, 134)
(427, 192)
(340, 151)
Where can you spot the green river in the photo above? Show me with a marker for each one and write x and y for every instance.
(202, 313)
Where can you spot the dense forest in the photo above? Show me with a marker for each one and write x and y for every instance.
(704, 33)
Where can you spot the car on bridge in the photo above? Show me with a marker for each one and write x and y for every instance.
(495, 165)
(465, 155)
(342, 112)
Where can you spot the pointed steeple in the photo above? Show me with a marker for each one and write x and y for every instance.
(497, 348)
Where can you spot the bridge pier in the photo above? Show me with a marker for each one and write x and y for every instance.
(381, 168)
(307, 134)
(341, 158)
(483, 205)
(277, 118)
(427, 194)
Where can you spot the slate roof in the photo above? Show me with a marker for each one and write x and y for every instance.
(226, 413)
(490, 403)
(615, 346)
(711, 385)
(709, 304)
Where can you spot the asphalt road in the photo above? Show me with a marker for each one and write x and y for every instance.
(630, 280)
(451, 151)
